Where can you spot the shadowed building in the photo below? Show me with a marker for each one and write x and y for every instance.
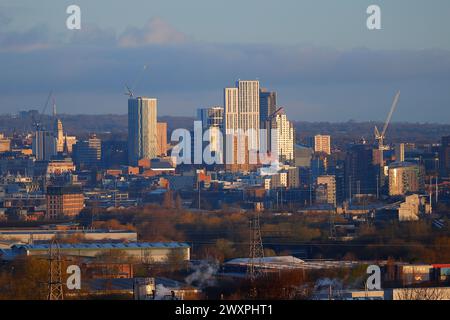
(161, 129)
(267, 103)
(44, 145)
(88, 154)
(64, 201)
(444, 157)
(360, 173)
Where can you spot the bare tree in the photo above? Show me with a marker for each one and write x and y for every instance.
(421, 293)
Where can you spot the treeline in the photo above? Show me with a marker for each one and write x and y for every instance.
(114, 126)
(225, 234)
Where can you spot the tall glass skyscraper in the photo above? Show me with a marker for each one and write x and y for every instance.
(242, 109)
(268, 103)
(142, 132)
(241, 114)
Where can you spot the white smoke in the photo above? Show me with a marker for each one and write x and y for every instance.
(162, 292)
(203, 276)
(336, 284)
(331, 287)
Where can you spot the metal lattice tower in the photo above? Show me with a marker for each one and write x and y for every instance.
(256, 248)
(54, 283)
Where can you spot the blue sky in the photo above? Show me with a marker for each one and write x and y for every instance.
(318, 55)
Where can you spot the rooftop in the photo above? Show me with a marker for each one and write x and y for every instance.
(97, 245)
(291, 262)
(74, 231)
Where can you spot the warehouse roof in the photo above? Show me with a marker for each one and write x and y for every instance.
(270, 262)
(290, 262)
(93, 246)
(54, 231)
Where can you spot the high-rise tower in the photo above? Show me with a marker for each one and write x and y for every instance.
(142, 129)
(268, 103)
(241, 122)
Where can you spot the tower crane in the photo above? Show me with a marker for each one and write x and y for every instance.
(379, 137)
(54, 107)
(37, 123)
(129, 90)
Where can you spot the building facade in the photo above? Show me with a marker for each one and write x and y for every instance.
(444, 157)
(241, 123)
(59, 135)
(404, 178)
(161, 128)
(400, 152)
(44, 145)
(360, 173)
(148, 252)
(64, 201)
(142, 129)
(211, 117)
(5, 143)
(268, 103)
(322, 143)
(212, 124)
(327, 183)
(285, 136)
(88, 154)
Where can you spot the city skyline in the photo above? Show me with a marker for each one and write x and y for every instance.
(242, 152)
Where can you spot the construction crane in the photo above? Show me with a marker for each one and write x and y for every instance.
(379, 137)
(129, 90)
(54, 107)
(37, 123)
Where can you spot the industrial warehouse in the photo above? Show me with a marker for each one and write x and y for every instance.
(143, 251)
(32, 235)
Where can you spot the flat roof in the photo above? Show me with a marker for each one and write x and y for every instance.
(94, 246)
(291, 262)
(24, 231)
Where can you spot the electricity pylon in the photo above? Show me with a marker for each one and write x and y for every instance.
(256, 249)
(54, 283)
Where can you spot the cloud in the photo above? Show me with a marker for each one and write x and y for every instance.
(91, 34)
(4, 20)
(156, 31)
(22, 41)
(29, 40)
(89, 71)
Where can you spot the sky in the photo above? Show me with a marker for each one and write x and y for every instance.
(317, 54)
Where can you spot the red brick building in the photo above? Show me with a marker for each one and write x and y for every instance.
(64, 201)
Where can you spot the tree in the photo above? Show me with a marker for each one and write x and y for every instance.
(350, 256)
(24, 279)
(113, 224)
(283, 285)
(420, 293)
(168, 200)
(114, 256)
(225, 248)
(269, 252)
(176, 260)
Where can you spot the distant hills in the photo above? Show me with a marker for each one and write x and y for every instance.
(113, 126)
